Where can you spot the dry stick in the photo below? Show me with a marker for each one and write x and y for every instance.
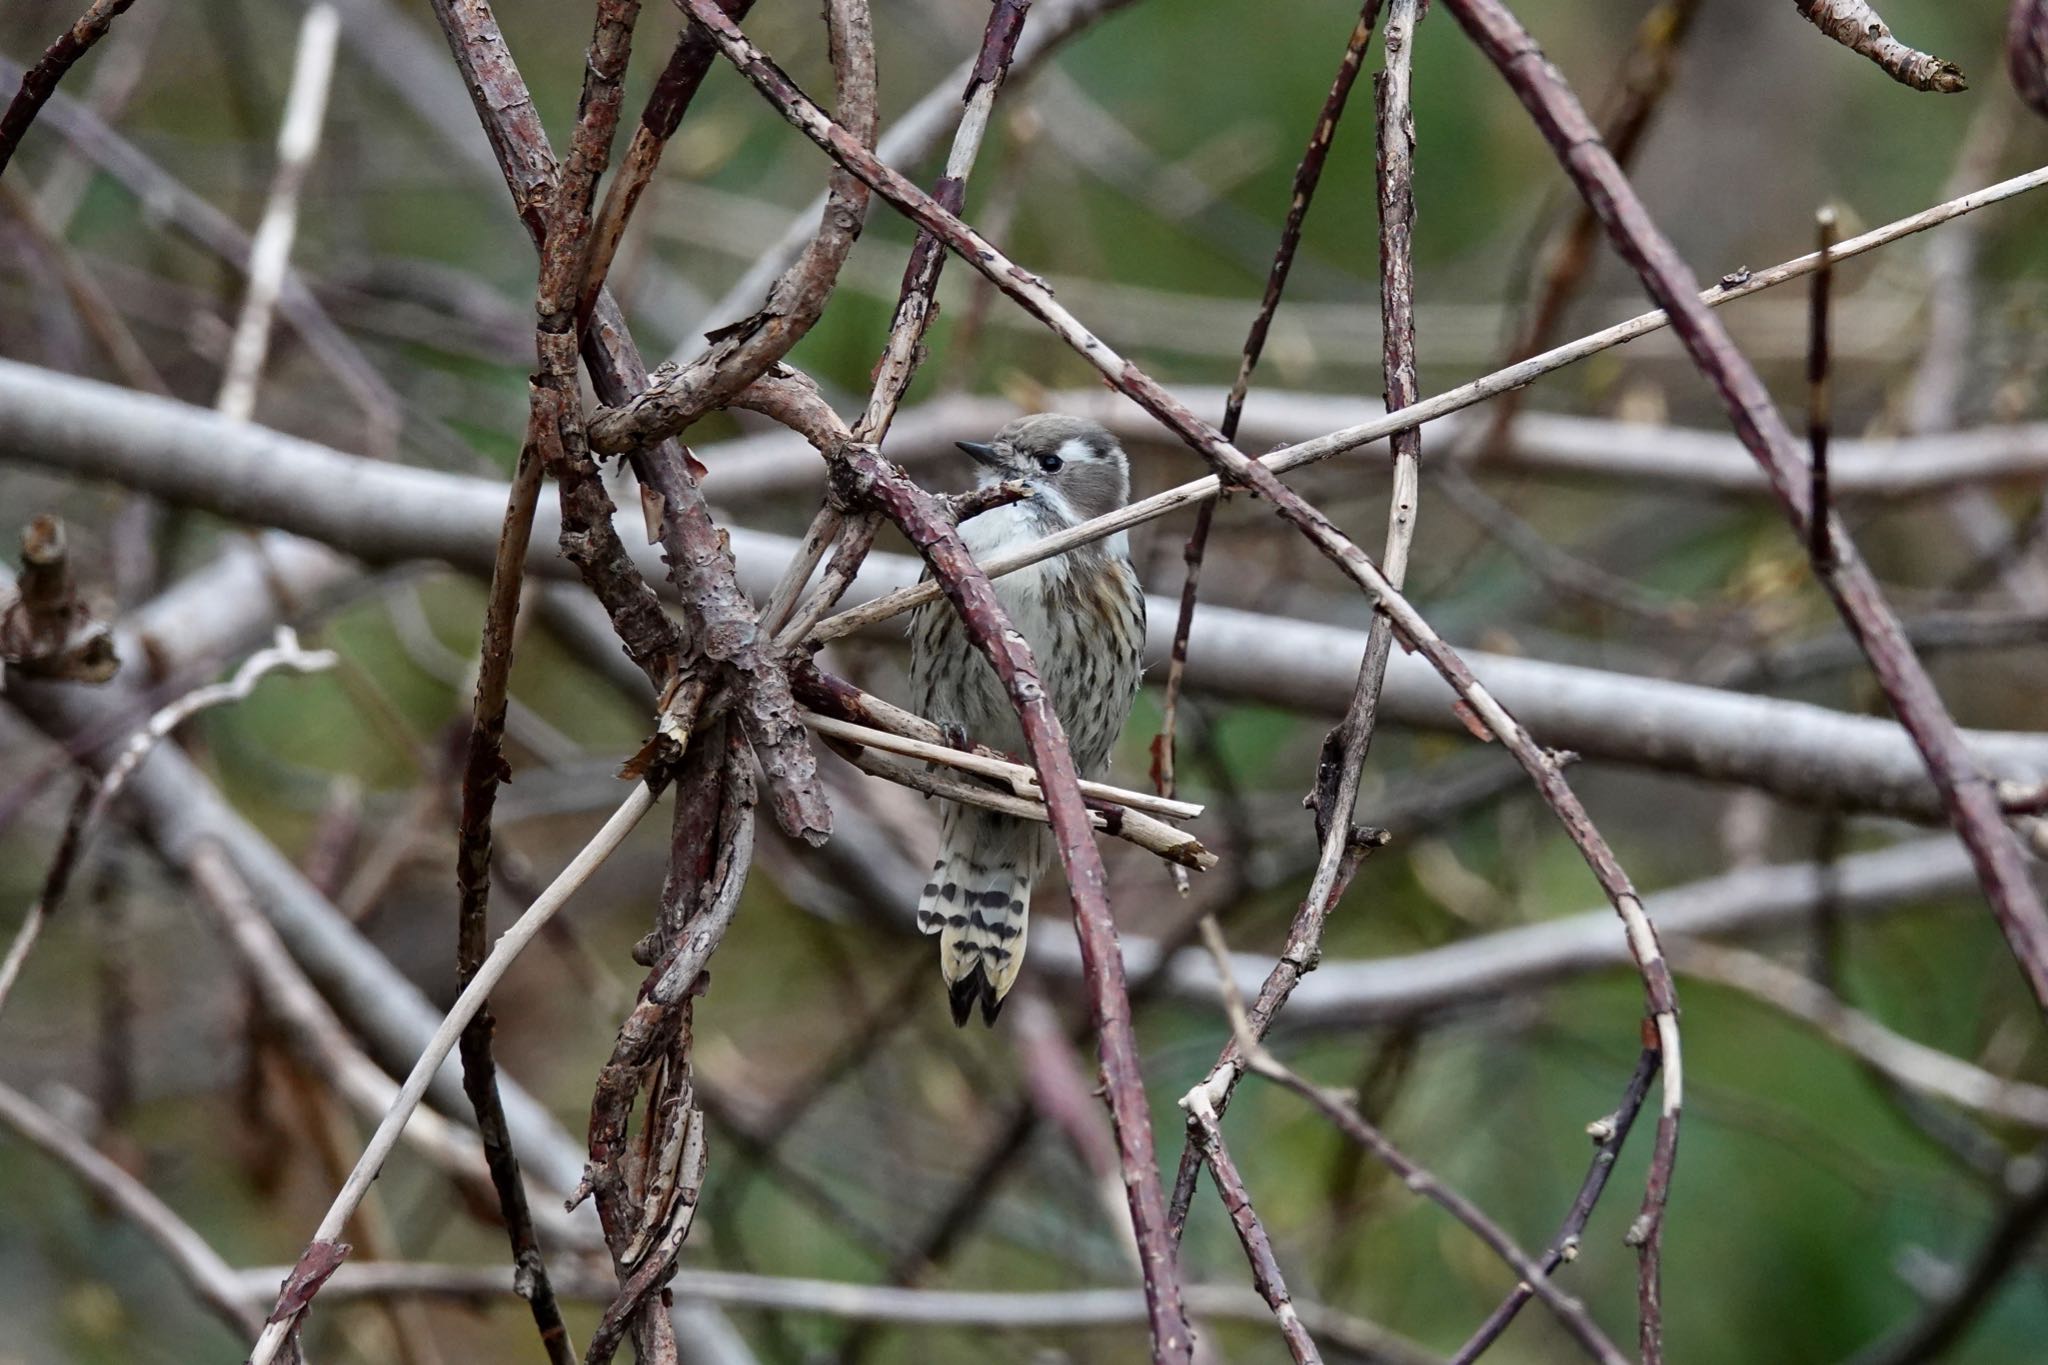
(1855, 25)
(40, 80)
(1971, 804)
(1819, 404)
(688, 63)
(1308, 173)
(323, 1253)
(1647, 74)
(270, 250)
(1342, 761)
(916, 306)
(483, 769)
(865, 477)
(210, 1278)
(1501, 381)
(1341, 1112)
(94, 800)
(1258, 1247)
(1485, 713)
(1608, 1135)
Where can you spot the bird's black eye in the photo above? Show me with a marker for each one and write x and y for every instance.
(1049, 463)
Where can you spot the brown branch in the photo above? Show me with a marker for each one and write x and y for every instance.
(915, 305)
(1308, 173)
(863, 478)
(1855, 25)
(1819, 395)
(483, 769)
(1971, 805)
(1258, 1247)
(688, 63)
(1342, 761)
(646, 1186)
(40, 80)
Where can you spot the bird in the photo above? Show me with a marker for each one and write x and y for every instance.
(1083, 615)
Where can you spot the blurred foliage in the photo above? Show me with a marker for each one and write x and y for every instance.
(1806, 1205)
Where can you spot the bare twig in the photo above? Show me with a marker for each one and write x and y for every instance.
(1308, 173)
(1258, 1247)
(1855, 25)
(270, 250)
(1971, 805)
(865, 478)
(1819, 401)
(1342, 761)
(1608, 1134)
(320, 1252)
(40, 80)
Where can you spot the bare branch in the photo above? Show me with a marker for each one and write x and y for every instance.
(40, 80)
(1855, 25)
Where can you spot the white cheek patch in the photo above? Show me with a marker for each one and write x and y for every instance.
(1074, 450)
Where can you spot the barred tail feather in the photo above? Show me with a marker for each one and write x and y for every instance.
(978, 902)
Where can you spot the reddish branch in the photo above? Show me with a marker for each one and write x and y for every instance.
(1968, 797)
(1308, 173)
(39, 82)
(1251, 1233)
(674, 89)
(863, 478)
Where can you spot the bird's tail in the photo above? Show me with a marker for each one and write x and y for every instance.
(978, 902)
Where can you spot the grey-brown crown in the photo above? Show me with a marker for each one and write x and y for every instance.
(1075, 460)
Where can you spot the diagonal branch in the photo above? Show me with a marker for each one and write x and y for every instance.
(864, 477)
(1971, 804)
(40, 80)
(1855, 25)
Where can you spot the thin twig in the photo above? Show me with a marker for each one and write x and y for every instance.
(1308, 173)
(1971, 805)
(1258, 1247)
(1819, 402)
(270, 251)
(321, 1251)
(1342, 761)
(40, 80)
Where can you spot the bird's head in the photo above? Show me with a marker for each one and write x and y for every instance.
(1075, 467)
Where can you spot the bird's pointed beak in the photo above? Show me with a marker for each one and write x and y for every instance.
(982, 451)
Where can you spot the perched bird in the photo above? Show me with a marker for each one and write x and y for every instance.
(1083, 614)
